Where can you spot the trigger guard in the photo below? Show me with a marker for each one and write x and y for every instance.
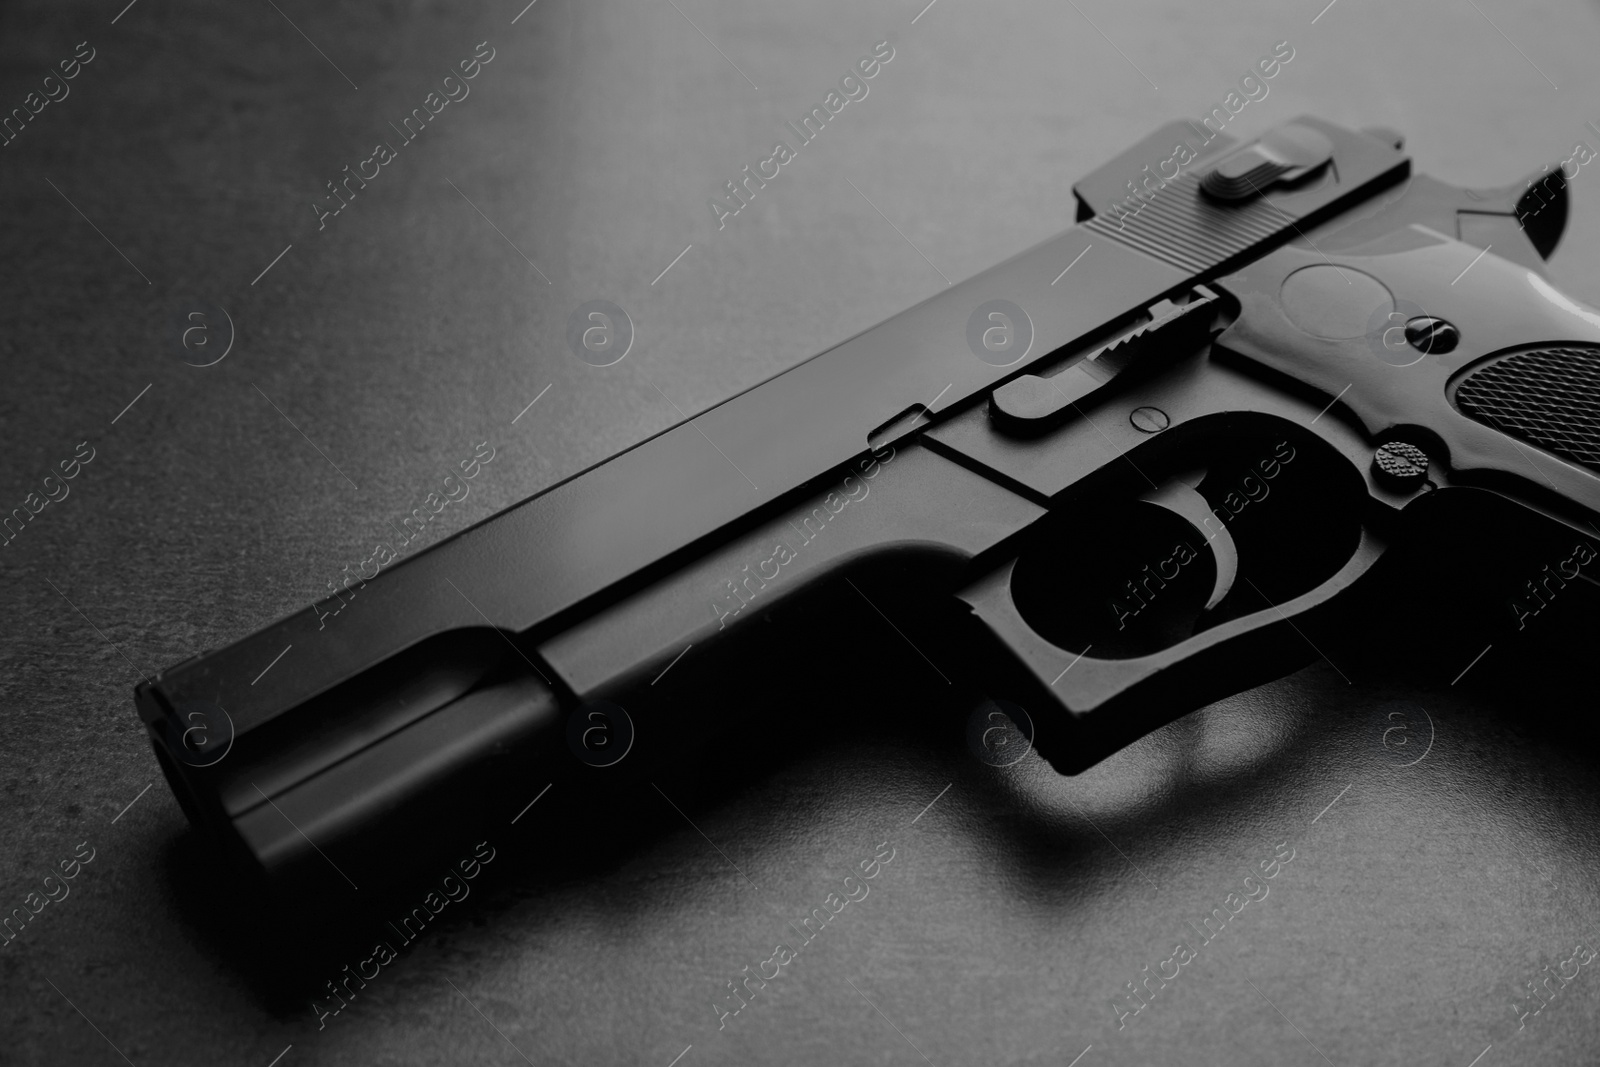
(1182, 499)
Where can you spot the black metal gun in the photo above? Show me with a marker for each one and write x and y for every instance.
(1148, 463)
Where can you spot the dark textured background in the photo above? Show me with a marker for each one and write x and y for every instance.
(410, 330)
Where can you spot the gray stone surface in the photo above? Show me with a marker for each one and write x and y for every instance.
(416, 324)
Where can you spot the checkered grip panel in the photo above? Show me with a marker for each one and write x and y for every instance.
(1549, 397)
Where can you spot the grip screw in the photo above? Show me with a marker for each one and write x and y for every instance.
(1400, 465)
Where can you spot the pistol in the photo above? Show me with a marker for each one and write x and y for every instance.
(1265, 399)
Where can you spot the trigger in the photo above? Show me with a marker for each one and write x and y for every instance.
(1180, 497)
